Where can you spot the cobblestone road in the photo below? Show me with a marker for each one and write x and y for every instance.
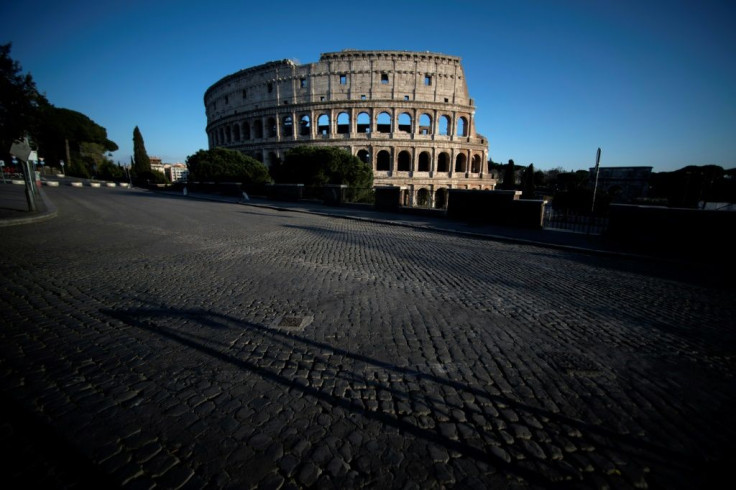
(156, 342)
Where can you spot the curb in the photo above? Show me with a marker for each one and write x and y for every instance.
(51, 212)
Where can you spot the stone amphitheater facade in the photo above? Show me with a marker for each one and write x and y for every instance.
(408, 114)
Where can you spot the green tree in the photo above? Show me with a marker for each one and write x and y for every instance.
(109, 171)
(540, 178)
(141, 162)
(25, 112)
(528, 186)
(87, 140)
(694, 185)
(320, 165)
(19, 102)
(93, 156)
(509, 177)
(224, 165)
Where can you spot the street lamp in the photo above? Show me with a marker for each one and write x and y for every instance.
(595, 186)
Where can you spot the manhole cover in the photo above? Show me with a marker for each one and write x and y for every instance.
(292, 322)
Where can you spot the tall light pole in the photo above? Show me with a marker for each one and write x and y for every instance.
(595, 186)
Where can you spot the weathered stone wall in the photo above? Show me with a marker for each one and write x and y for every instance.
(407, 113)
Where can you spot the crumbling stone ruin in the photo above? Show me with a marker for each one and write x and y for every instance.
(408, 114)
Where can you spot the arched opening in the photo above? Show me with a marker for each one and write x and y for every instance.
(258, 156)
(425, 124)
(364, 156)
(404, 161)
(257, 129)
(273, 160)
(271, 127)
(305, 125)
(461, 163)
(383, 123)
(287, 124)
(364, 123)
(424, 159)
(405, 122)
(383, 161)
(343, 123)
(423, 198)
(227, 134)
(440, 198)
(444, 126)
(246, 131)
(475, 166)
(443, 162)
(236, 132)
(462, 127)
(323, 125)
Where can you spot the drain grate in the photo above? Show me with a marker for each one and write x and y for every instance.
(292, 323)
(573, 364)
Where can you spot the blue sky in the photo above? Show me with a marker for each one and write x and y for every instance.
(649, 82)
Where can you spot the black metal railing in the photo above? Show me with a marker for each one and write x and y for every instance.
(575, 221)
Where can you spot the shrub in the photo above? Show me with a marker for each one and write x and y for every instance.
(317, 166)
(223, 165)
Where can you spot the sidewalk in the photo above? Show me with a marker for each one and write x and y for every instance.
(14, 211)
(14, 205)
(541, 237)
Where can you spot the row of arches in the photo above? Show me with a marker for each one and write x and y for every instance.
(405, 161)
(428, 197)
(292, 126)
(425, 198)
(389, 160)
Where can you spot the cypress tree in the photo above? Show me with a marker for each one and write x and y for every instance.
(509, 176)
(141, 162)
(528, 184)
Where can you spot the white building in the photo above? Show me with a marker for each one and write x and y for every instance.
(176, 172)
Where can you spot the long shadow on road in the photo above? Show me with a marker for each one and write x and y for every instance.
(472, 444)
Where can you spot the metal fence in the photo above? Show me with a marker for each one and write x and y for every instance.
(574, 221)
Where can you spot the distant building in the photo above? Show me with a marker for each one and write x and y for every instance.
(623, 184)
(176, 172)
(156, 164)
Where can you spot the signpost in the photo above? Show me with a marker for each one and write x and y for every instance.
(22, 151)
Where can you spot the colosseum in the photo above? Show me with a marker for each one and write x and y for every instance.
(408, 114)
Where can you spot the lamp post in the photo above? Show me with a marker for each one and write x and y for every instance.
(595, 186)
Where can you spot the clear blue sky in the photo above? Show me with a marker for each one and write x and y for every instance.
(649, 82)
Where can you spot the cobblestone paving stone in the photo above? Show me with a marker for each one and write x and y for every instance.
(165, 343)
